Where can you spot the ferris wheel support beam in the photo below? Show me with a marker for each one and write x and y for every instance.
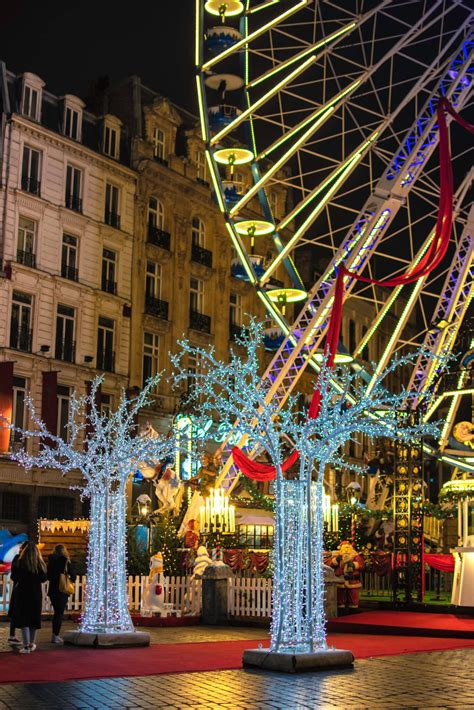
(452, 305)
(389, 195)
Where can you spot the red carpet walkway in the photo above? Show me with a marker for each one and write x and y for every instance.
(405, 623)
(71, 663)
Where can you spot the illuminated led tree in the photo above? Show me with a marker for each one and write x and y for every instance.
(235, 394)
(105, 449)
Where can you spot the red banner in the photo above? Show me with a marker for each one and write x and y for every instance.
(6, 404)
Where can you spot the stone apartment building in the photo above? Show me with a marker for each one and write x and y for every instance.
(67, 206)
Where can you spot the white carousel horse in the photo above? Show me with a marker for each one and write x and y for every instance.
(169, 489)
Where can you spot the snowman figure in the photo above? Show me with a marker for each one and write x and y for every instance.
(153, 599)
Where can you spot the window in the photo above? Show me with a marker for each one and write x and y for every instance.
(65, 322)
(254, 536)
(105, 344)
(19, 412)
(109, 263)
(105, 404)
(273, 202)
(64, 396)
(201, 167)
(72, 123)
(25, 252)
(55, 507)
(159, 144)
(365, 351)
(69, 261)
(150, 355)
(153, 280)
(156, 213)
(352, 336)
(30, 170)
(14, 506)
(21, 319)
(112, 198)
(196, 297)
(235, 309)
(198, 232)
(111, 141)
(73, 188)
(194, 368)
(31, 102)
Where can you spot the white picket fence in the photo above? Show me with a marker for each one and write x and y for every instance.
(250, 597)
(184, 595)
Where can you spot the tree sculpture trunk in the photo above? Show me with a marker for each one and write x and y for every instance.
(298, 623)
(106, 603)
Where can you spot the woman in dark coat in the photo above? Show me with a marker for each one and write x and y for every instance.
(58, 564)
(28, 575)
(12, 639)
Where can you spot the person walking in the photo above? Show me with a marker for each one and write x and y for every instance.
(59, 564)
(12, 639)
(28, 575)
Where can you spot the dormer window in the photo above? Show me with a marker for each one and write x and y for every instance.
(72, 116)
(111, 144)
(31, 96)
(201, 167)
(159, 144)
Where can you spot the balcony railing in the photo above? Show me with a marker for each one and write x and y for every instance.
(159, 237)
(21, 338)
(109, 286)
(106, 360)
(234, 331)
(73, 202)
(156, 307)
(198, 321)
(69, 272)
(30, 184)
(27, 258)
(112, 219)
(201, 255)
(65, 351)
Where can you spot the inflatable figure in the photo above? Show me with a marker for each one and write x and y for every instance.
(153, 599)
(9, 547)
(347, 565)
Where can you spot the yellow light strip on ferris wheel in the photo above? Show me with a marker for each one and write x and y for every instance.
(389, 302)
(245, 114)
(307, 120)
(215, 181)
(341, 172)
(302, 54)
(241, 252)
(201, 108)
(453, 407)
(253, 35)
(277, 165)
(197, 36)
(262, 6)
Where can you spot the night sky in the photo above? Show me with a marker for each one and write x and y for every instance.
(70, 45)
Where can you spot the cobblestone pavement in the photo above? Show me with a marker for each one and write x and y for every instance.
(442, 679)
(176, 634)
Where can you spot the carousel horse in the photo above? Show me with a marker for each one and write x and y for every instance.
(168, 488)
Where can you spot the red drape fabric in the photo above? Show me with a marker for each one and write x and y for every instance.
(445, 563)
(432, 258)
(6, 404)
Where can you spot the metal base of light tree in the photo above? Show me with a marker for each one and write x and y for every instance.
(266, 660)
(107, 640)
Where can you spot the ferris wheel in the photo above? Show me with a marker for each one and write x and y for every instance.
(336, 103)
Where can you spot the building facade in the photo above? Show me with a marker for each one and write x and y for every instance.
(67, 206)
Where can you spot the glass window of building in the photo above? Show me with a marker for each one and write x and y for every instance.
(25, 252)
(18, 412)
(112, 201)
(153, 279)
(69, 258)
(159, 144)
(156, 213)
(30, 170)
(72, 123)
(73, 197)
(111, 141)
(105, 344)
(196, 295)
(31, 102)
(65, 326)
(109, 271)
(150, 355)
(64, 398)
(235, 309)
(201, 166)
(21, 321)
(198, 232)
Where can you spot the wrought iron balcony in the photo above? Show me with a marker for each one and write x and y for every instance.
(30, 184)
(159, 237)
(20, 338)
(27, 258)
(156, 307)
(198, 321)
(73, 202)
(65, 350)
(69, 272)
(112, 219)
(106, 360)
(201, 255)
(109, 286)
